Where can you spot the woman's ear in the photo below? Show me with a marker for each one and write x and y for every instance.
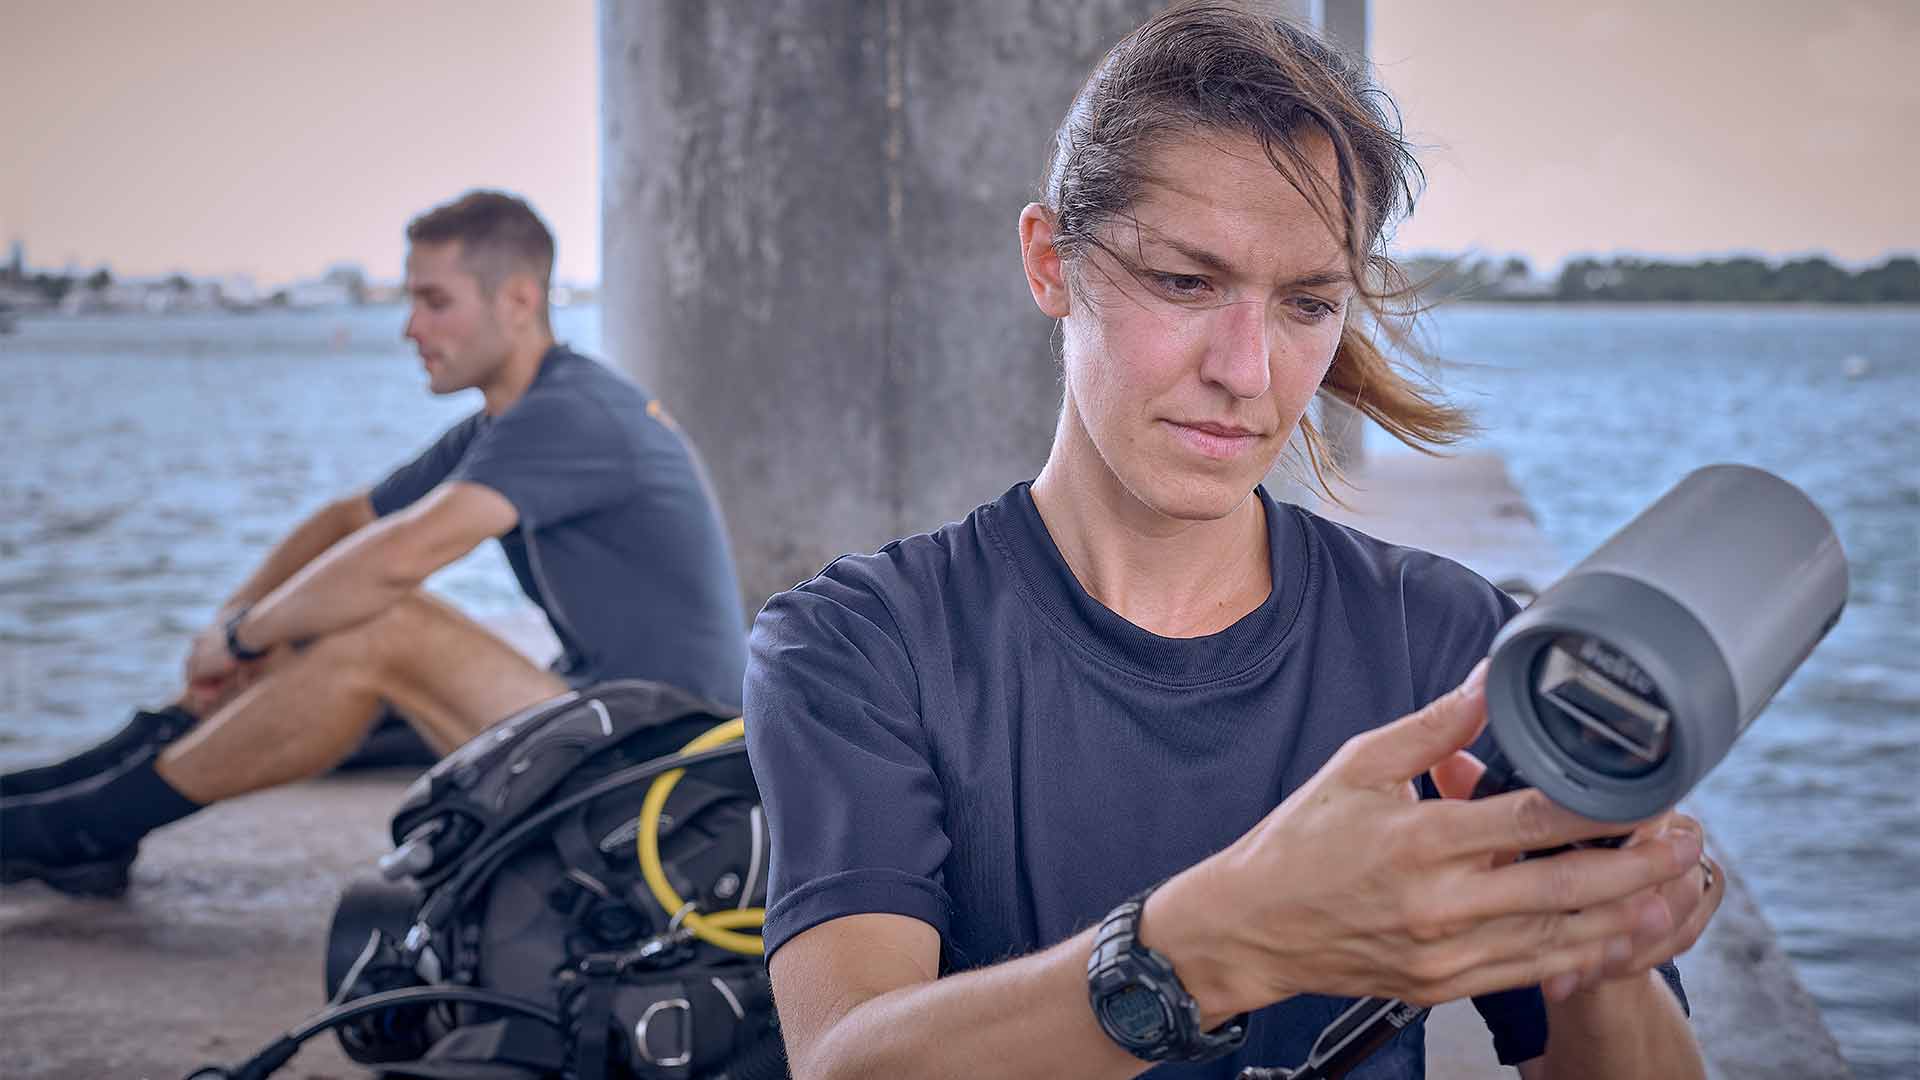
(1046, 273)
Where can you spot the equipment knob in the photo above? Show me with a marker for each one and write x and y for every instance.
(411, 858)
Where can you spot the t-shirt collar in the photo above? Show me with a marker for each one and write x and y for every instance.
(1060, 599)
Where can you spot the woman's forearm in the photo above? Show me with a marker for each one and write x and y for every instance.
(1623, 1029)
(1027, 1017)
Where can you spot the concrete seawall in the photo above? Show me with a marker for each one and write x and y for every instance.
(218, 948)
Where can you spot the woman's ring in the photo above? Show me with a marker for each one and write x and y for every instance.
(1706, 867)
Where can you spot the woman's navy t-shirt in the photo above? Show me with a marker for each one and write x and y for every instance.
(952, 729)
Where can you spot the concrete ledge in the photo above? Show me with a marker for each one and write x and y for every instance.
(1464, 507)
(219, 947)
(216, 950)
(1752, 1013)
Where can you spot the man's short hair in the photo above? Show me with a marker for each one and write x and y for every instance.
(499, 235)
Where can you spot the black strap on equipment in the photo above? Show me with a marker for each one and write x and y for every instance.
(600, 973)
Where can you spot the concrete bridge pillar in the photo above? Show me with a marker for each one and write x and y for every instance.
(1344, 22)
(810, 254)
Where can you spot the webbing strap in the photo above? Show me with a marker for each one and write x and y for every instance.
(595, 1018)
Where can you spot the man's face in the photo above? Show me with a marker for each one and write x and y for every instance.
(1190, 377)
(452, 321)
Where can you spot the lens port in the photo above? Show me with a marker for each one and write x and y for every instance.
(1600, 708)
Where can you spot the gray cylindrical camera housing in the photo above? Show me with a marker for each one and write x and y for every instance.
(1624, 683)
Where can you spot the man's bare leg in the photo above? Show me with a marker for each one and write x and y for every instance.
(444, 672)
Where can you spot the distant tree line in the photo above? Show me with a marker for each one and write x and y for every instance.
(54, 287)
(1622, 280)
(1632, 280)
(51, 289)
(1744, 280)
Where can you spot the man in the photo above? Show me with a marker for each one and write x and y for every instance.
(598, 501)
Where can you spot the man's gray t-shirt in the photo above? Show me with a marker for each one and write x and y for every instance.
(619, 540)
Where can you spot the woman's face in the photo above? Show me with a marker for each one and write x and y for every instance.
(1186, 379)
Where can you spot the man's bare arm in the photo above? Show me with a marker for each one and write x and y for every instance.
(321, 530)
(367, 572)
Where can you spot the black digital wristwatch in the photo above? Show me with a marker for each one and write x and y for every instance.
(234, 648)
(1139, 1001)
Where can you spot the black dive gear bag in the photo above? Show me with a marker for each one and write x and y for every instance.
(516, 872)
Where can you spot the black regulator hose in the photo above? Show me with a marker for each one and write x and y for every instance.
(280, 1051)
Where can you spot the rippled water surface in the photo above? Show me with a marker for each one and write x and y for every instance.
(149, 463)
(150, 459)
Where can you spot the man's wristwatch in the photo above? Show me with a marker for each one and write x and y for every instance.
(238, 651)
(1139, 1001)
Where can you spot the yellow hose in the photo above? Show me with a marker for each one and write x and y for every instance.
(720, 928)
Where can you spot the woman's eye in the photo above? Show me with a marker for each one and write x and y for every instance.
(1314, 308)
(1182, 284)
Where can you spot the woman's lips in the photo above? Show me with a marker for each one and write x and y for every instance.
(1217, 441)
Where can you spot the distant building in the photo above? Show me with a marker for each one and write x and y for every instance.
(319, 294)
(350, 277)
(238, 291)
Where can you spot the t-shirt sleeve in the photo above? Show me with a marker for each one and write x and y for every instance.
(1465, 612)
(554, 457)
(854, 807)
(1459, 613)
(405, 485)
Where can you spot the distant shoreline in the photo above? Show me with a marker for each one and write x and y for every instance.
(1769, 305)
(1436, 303)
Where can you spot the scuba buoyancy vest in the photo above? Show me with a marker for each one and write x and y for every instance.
(566, 898)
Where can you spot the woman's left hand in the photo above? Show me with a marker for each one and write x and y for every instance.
(1690, 899)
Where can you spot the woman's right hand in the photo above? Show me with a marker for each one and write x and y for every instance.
(1354, 886)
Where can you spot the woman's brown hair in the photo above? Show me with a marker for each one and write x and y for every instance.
(1211, 66)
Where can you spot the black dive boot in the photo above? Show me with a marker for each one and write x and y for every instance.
(81, 839)
(146, 731)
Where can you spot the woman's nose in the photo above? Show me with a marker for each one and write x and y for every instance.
(1238, 358)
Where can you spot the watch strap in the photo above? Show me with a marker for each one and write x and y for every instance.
(1119, 963)
(238, 651)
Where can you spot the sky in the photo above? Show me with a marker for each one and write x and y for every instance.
(277, 138)
(1672, 127)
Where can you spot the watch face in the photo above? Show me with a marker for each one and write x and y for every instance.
(1137, 1014)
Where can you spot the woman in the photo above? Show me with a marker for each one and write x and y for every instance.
(1141, 670)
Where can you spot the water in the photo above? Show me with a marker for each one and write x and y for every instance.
(149, 460)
